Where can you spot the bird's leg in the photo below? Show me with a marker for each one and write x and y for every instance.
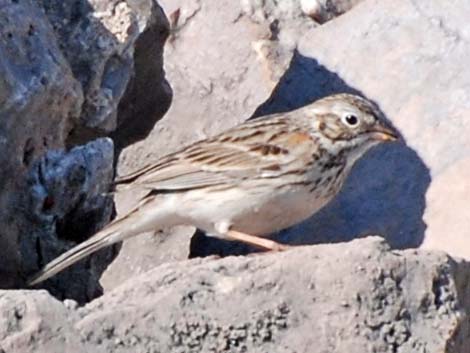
(265, 244)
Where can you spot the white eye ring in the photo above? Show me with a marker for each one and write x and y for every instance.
(350, 120)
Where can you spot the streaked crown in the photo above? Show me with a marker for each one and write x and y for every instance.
(350, 118)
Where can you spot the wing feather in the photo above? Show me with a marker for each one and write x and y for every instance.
(237, 154)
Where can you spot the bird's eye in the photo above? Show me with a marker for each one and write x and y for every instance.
(351, 120)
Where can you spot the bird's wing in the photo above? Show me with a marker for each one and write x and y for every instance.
(228, 158)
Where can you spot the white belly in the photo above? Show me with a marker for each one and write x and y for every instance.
(260, 214)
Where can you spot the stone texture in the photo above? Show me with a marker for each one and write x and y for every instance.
(69, 73)
(325, 10)
(33, 321)
(68, 202)
(410, 57)
(38, 98)
(400, 191)
(223, 59)
(146, 252)
(108, 47)
(358, 296)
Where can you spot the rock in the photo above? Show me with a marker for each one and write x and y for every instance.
(115, 50)
(148, 94)
(325, 10)
(333, 297)
(38, 99)
(223, 59)
(68, 202)
(69, 73)
(411, 59)
(400, 191)
(146, 252)
(33, 321)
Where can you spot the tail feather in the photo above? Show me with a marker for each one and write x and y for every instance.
(95, 243)
(141, 219)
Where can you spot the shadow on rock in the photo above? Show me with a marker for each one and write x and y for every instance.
(67, 203)
(384, 194)
(123, 92)
(304, 82)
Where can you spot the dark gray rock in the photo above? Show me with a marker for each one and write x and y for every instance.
(70, 72)
(68, 202)
(38, 99)
(115, 50)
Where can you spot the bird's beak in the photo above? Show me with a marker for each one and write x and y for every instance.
(382, 133)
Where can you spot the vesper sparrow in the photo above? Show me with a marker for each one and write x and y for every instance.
(249, 181)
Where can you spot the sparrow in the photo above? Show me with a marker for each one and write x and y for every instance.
(248, 182)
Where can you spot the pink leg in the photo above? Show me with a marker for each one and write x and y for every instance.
(265, 244)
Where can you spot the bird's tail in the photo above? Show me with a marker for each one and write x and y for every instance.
(111, 234)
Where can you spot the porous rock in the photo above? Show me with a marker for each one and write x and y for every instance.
(68, 201)
(114, 49)
(38, 99)
(358, 296)
(70, 71)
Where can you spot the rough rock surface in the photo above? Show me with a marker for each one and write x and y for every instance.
(411, 57)
(325, 10)
(223, 59)
(68, 202)
(70, 71)
(331, 297)
(38, 98)
(114, 49)
(402, 54)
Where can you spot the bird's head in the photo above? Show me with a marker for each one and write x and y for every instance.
(346, 121)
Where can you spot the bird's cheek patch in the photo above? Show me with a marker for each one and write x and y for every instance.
(299, 138)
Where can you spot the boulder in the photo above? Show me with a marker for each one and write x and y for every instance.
(71, 72)
(405, 56)
(67, 202)
(114, 49)
(39, 96)
(358, 296)
(411, 58)
(223, 59)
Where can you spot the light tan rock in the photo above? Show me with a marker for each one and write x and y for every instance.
(34, 321)
(411, 58)
(447, 199)
(223, 59)
(353, 297)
